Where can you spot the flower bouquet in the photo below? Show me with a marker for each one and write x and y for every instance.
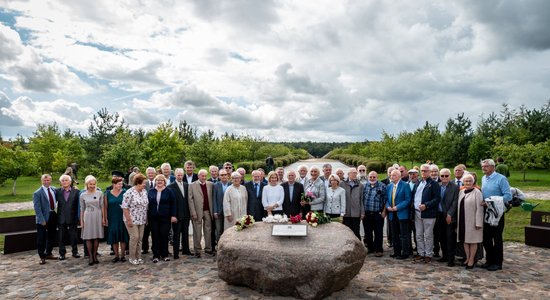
(244, 221)
(295, 219)
(275, 219)
(308, 197)
(316, 218)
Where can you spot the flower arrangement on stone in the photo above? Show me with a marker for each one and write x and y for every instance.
(308, 197)
(316, 218)
(244, 221)
(296, 219)
(275, 219)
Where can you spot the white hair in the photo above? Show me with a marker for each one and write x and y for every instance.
(235, 175)
(65, 176)
(165, 165)
(179, 170)
(202, 171)
(488, 161)
(434, 167)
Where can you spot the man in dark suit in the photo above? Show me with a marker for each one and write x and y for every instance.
(46, 218)
(167, 172)
(214, 174)
(149, 184)
(181, 227)
(190, 177)
(67, 215)
(218, 192)
(255, 188)
(397, 206)
(426, 201)
(446, 222)
(293, 192)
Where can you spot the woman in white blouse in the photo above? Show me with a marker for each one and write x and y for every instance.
(273, 195)
(335, 204)
(235, 201)
(134, 209)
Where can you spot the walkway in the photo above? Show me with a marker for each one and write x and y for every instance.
(525, 276)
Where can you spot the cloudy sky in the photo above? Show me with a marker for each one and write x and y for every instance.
(282, 70)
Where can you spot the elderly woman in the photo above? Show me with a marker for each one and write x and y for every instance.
(91, 220)
(470, 219)
(335, 203)
(235, 201)
(316, 186)
(117, 235)
(273, 195)
(162, 212)
(134, 208)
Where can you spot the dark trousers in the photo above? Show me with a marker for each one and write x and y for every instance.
(160, 227)
(181, 232)
(492, 242)
(67, 231)
(440, 234)
(389, 232)
(45, 236)
(354, 223)
(213, 234)
(401, 236)
(373, 223)
(145, 241)
(451, 241)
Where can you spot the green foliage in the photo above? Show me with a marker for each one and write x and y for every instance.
(523, 157)
(455, 141)
(161, 145)
(124, 152)
(15, 163)
(102, 135)
(46, 141)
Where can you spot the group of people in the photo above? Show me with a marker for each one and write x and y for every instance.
(438, 210)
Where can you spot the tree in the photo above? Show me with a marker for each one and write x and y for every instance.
(522, 157)
(203, 152)
(15, 163)
(455, 141)
(124, 152)
(163, 145)
(46, 141)
(102, 133)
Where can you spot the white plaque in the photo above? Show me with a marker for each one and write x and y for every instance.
(289, 230)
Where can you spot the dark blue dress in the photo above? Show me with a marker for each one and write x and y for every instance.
(117, 232)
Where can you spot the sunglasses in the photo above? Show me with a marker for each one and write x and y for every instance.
(444, 176)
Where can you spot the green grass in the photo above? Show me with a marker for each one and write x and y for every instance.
(516, 220)
(9, 214)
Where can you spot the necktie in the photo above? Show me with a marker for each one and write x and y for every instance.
(180, 184)
(52, 205)
(459, 183)
(257, 190)
(393, 195)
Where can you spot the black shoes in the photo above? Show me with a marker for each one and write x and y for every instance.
(450, 264)
(402, 257)
(61, 257)
(494, 268)
(116, 259)
(76, 255)
(443, 259)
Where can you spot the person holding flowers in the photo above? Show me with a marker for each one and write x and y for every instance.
(235, 201)
(316, 188)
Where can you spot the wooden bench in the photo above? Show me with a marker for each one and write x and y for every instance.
(19, 233)
(538, 233)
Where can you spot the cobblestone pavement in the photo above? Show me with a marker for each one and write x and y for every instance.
(525, 276)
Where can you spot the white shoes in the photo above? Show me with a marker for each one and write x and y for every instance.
(133, 261)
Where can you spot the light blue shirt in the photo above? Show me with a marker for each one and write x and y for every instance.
(496, 185)
(418, 195)
(291, 191)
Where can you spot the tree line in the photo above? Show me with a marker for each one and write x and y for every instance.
(521, 137)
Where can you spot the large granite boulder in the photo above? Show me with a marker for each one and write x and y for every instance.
(309, 267)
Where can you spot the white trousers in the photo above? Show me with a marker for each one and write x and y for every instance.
(424, 235)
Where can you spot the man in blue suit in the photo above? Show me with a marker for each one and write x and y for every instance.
(397, 205)
(255, 189)
(46, 218)
(167, 172)
(426, 202)
(218, 192)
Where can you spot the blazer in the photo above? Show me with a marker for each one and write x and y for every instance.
(182, 203)
(449, 203)
(166, 206)
(254, 206)
(217, 193)
(196, 198)
(294, 208)
(172, 178)
(41, 205)
(67, 211)
(402, 199)
(431, 196)
(195, 178)
(355, 207)
(148, 186)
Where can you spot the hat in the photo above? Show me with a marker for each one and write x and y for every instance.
(413, 171)
(117, 173)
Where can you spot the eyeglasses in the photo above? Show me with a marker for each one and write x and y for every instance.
(362, 171)
(229, 167)
(444, 176)
(223, 174)
(372, 176)
(424, 170)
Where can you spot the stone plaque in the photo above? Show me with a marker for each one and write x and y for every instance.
(289, 230)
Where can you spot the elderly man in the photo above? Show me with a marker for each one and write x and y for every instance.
(446, 219)
(228, 167)
(46, 218)
(67, 198)
(293, 191)
(149, 184)
(302, 172)
(355, 209)
(362, 174)
(327, 171)
(214, 174)
(494, 184)
(404, 173)
(387, 180)
(459, 172)
(374, 199)
(218, 192)
(135, 171)
(167, 172)
(190, 177)
(397, 205)
(201, 208)
(242, 172)
(180, 229)
(255, 188)
(434, 173)
(426, 201)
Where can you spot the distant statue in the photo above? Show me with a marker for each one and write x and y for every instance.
(269, 163)
(74, 166)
